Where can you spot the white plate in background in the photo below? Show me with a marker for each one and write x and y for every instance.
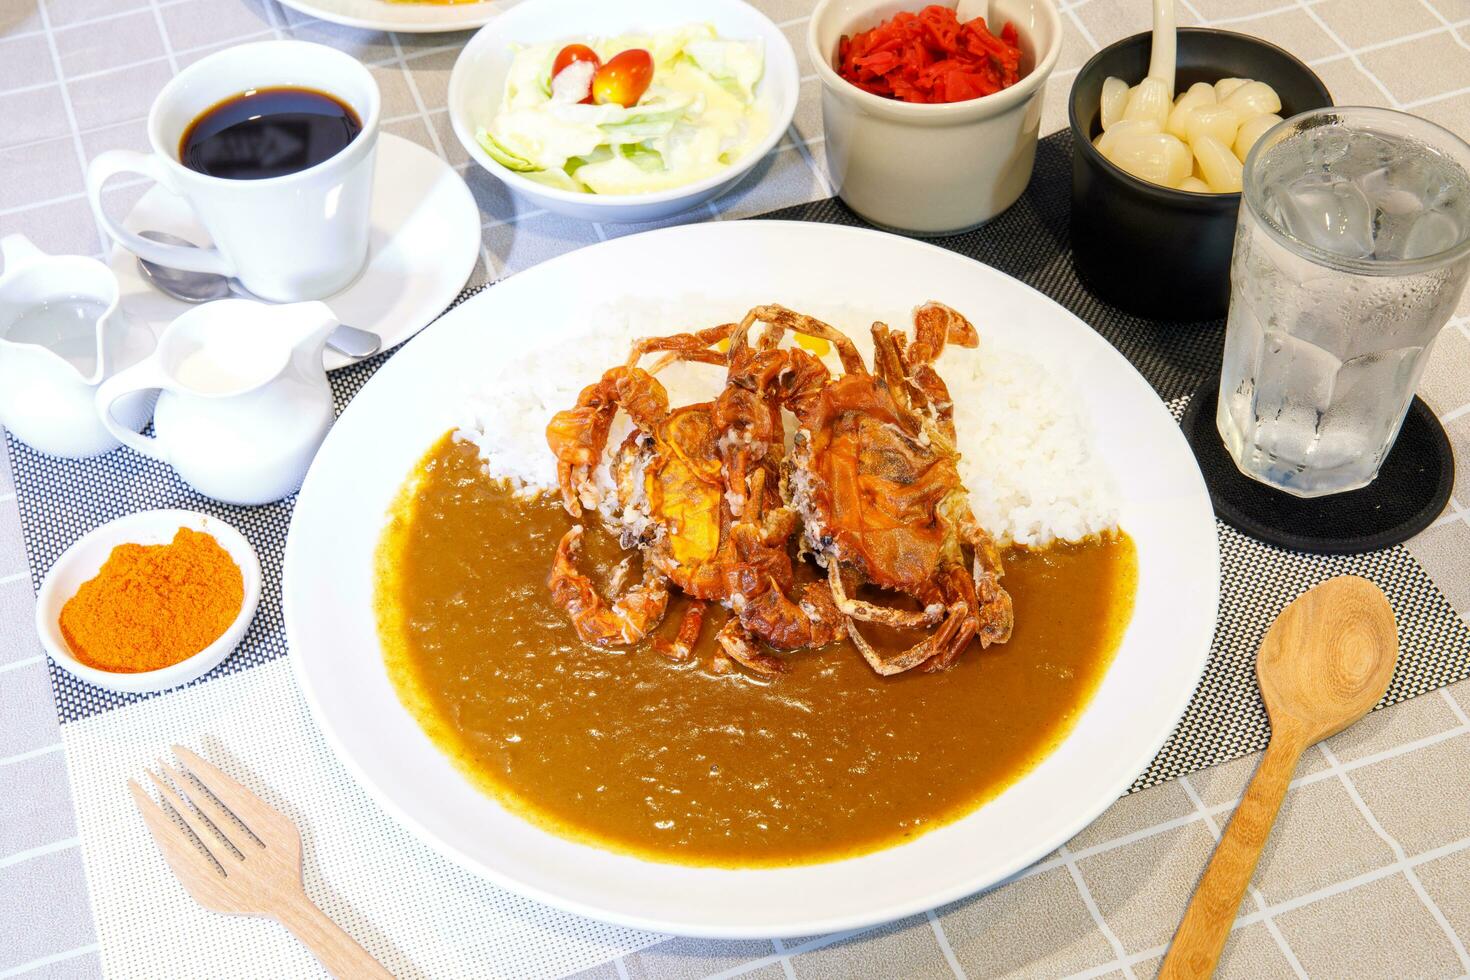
(405, 18)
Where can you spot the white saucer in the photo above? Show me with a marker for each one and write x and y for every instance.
(425, 239)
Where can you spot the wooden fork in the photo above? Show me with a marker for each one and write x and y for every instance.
(256, 866)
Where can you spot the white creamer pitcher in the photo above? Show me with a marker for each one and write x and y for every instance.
(61, 335)
(244, 402)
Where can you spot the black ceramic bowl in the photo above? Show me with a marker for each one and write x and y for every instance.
(1152, 250)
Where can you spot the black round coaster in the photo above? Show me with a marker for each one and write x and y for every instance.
(1411, 490)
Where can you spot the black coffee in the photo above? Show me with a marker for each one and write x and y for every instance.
(268, 132)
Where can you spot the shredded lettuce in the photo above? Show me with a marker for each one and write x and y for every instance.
(736, 63)
(558, 179)
(647, 159)
(502, 156)
(652, 119)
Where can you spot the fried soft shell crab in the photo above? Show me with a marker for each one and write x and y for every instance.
(707, 496)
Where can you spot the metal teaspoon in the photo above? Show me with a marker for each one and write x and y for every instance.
(202, 287)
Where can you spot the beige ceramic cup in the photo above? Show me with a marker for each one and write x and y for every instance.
(932, 169)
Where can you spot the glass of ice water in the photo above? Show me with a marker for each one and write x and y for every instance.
(1351, 253)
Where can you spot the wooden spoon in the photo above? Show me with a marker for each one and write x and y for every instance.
(1324, 663)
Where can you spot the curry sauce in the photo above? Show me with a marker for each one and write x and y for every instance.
(673, 762)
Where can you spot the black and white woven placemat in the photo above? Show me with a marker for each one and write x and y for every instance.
(61, 500)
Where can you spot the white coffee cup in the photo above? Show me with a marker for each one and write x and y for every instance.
(296, 237)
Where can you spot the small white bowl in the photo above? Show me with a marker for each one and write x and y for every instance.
(932, 169)
(84, 559)
(478, 80)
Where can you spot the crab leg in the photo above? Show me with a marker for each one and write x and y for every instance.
(968, 624)
(642, 396)
(578, 436)
(909, 658)
(783, 319)
(817, 606)
(681, 647)
(699, 356)
(788, 625)
(740, 336)
(751, 430)
(935, 325)
(742, 649)
(630, 618)
(683, 343)
(867, 612)
(775, 526)
(888, 365)
(917, 654)
(697, 346)
(994, 613)
(946, 657)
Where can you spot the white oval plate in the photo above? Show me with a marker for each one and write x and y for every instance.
(405, 18)
(424, 241)
(697, 272)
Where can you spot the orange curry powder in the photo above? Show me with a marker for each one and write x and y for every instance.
(153, 605)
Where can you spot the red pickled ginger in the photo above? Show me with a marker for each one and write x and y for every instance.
(931, 57)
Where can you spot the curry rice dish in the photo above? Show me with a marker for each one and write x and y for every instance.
(737, 654)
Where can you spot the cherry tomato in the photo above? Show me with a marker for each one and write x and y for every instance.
(571, 54)
(624, 78)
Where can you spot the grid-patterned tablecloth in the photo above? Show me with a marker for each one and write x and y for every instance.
(1369, 872)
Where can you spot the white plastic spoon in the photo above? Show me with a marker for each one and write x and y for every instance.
(968, 10)
(1163, 53)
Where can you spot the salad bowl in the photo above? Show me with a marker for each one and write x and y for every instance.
(479, 78)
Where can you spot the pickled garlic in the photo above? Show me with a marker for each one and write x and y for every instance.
(1114, 99)
(1196, 143)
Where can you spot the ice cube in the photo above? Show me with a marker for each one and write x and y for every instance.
(1328, 146)
(1371, 393)
(1292, 370)
(1386, 190)
(1329, 212)
(1414, 203)
(1294, 383)
(1319, 311)
(1423, 172)
(1424, 234)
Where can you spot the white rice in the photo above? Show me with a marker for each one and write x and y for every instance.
(1027, 455)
